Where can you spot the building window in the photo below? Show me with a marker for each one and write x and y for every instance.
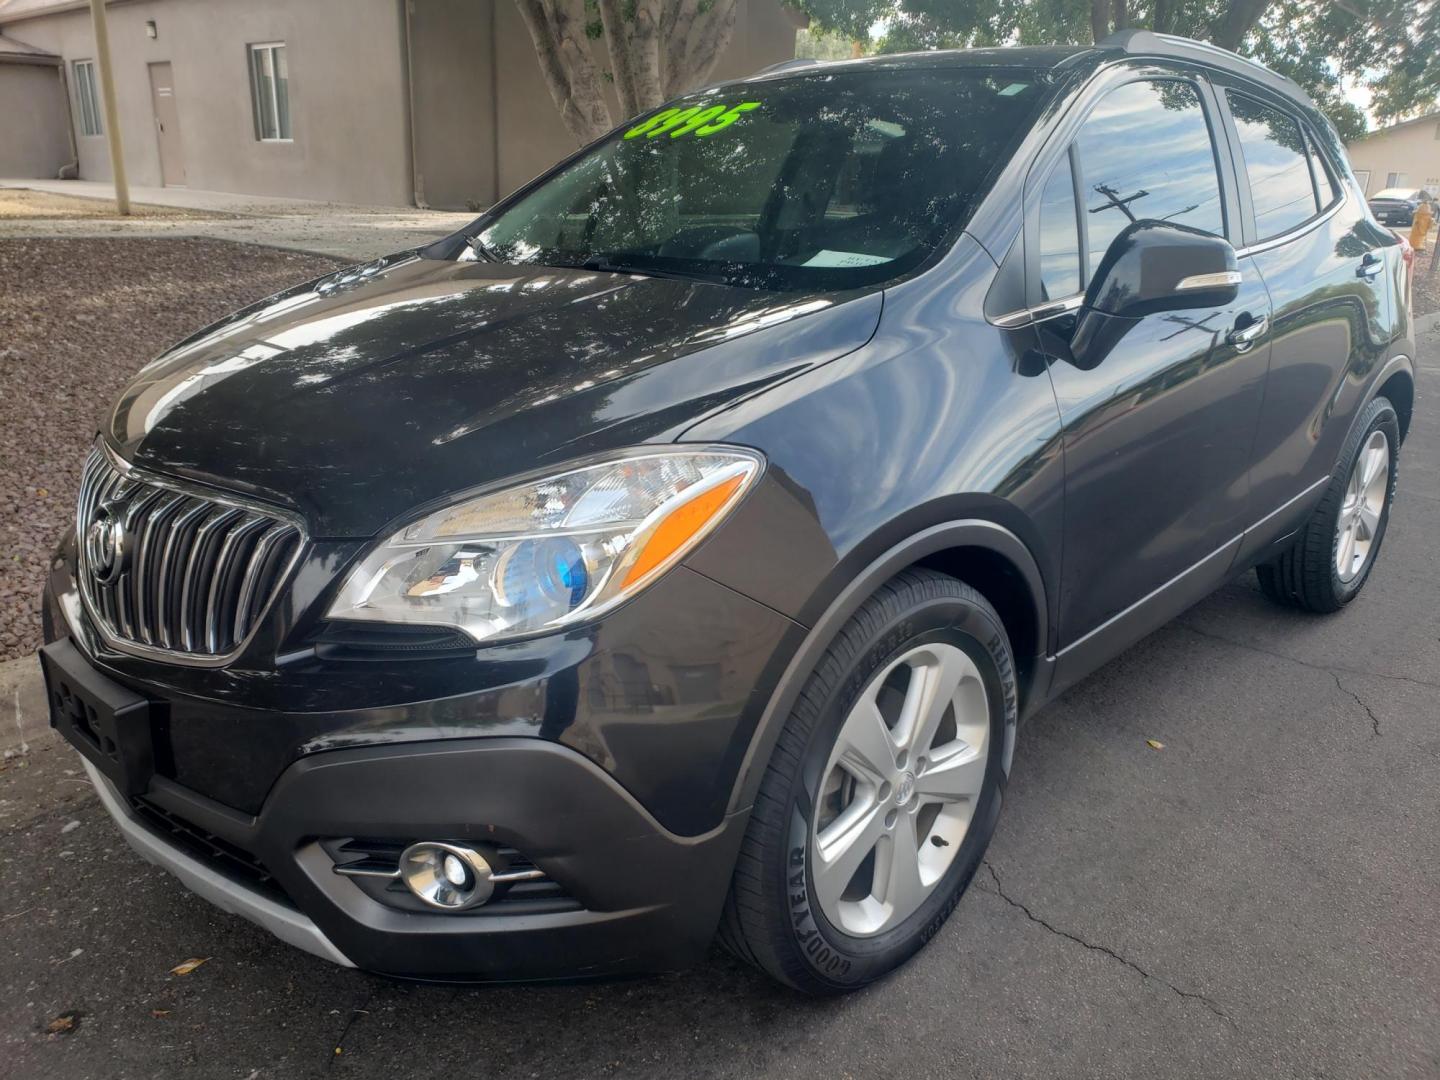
(1394, 179)
(270, 90)
(87, 101)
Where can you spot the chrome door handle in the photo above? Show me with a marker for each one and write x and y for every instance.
(1242, 337)
(1370, 266)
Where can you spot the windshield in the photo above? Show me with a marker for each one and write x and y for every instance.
(821, 181)
(1395, 193)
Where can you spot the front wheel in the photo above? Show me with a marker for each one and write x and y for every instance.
(1336, 549)
(883, 791)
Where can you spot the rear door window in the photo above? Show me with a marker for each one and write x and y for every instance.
(1281, 188)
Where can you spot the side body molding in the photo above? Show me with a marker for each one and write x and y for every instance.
(970, 532)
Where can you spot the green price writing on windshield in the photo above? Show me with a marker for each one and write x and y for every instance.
(697, 120)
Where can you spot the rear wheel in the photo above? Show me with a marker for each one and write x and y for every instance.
(883, 791)
(1336, 549)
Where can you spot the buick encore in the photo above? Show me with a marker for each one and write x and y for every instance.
(672, 553)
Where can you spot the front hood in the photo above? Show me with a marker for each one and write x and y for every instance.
(358, 398)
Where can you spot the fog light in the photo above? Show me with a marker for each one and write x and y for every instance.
(447, 876)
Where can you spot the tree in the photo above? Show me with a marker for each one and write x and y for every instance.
(1389, 45)
(655, 49)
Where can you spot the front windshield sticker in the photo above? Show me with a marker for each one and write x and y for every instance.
(697, 120)
(844, 258)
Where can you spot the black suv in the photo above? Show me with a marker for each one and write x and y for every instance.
(676, 548)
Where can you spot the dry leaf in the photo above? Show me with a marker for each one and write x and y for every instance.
(63, 1024)
(1155, 744)
(159, 1014)
(188, 966)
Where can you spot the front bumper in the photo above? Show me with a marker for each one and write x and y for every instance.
(606, 757)
(280, 919)
(644, 900)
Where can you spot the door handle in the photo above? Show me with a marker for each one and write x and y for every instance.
(1243, 337)
(1370, 265)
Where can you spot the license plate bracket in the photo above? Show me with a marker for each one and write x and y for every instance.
(107, 723)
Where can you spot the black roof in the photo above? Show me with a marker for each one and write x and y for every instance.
(1139, 43)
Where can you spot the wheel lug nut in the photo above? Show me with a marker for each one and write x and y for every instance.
(885, 791)
(891, 818)
(900, 759)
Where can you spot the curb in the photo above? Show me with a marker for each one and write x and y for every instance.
(26, 722)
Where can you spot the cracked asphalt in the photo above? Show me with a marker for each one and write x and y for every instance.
(1258, 897)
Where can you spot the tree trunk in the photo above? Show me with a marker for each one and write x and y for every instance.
(710, 37)
(682, 18)
(1164, 13)
(645, 46)
(1240, 18)
(622, 66)
(1122, 15)
(1099, 20)
(558, 33)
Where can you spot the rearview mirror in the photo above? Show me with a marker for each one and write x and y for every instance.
(1156, 266)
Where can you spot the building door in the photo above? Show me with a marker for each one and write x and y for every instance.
(167, 125)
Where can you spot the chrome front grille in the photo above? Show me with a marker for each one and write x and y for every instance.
(166, 568)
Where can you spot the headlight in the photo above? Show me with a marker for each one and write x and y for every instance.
(549, 552)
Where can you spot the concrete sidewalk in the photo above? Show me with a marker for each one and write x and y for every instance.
(345, 231)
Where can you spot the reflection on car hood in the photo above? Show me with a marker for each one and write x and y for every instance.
(362, 396)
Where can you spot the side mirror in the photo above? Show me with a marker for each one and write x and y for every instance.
(1151, 266)
(1156, 266)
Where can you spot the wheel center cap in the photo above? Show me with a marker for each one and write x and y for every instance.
(905, 788)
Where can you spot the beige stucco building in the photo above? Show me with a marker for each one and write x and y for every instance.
(1402, 155)
(392, 102)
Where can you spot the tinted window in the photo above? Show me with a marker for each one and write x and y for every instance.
(825, 180)
(1145, 153)
(1324, 175)
(1059, 235)
(1274, 150)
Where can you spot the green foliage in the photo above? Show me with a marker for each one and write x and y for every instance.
(1391, 46)
(817, 44)
(850, 18)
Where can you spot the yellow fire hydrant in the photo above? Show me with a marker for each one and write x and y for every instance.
(1420, 227)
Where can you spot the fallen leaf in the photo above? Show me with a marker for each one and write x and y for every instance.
(159, 1014)
(63, 1024)
(1155, 744)
(188, 966)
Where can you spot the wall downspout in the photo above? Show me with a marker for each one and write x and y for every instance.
(495, 191)
(71, 169)
(407, 60)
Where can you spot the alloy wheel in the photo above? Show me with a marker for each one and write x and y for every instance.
(899, 790)
(1364, 503)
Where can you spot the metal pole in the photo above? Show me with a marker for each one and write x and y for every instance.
(112, 115)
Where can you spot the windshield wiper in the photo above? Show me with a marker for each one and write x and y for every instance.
(608, 264)
(482, 252)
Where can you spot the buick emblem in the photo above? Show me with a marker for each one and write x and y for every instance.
(105, 543)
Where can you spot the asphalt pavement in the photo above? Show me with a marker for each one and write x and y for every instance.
(1255, 896)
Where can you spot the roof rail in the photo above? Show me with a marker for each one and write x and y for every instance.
(1148, 43)
(787, 65)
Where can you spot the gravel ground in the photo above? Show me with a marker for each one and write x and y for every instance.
(43, 206)
(77, 318)
(1427, 286)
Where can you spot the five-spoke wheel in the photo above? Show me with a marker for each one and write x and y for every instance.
(900, 788)
(1365, 495)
